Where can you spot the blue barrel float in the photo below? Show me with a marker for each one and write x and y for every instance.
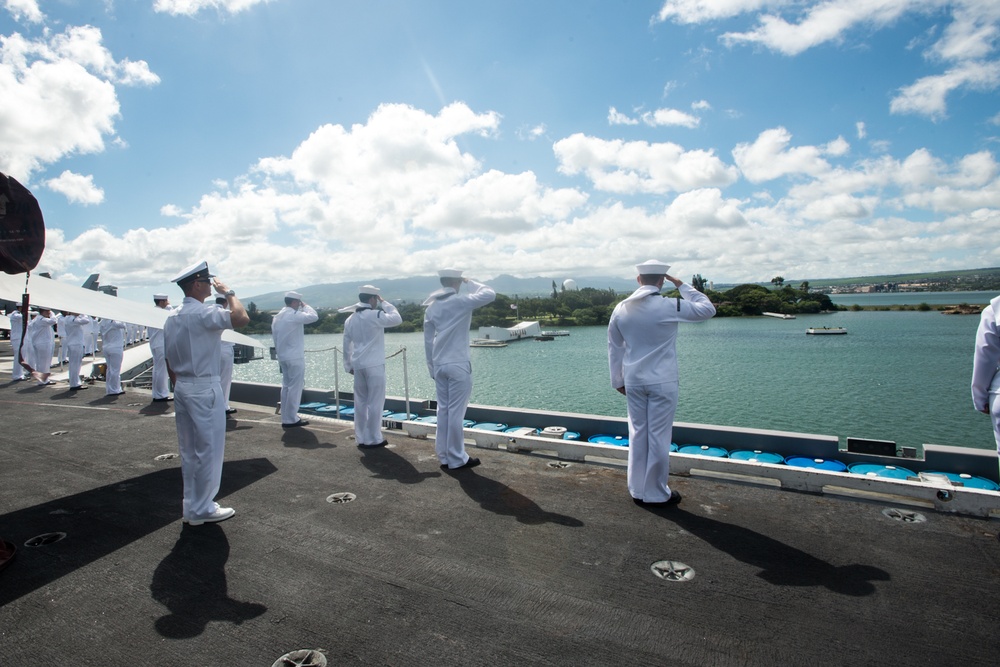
(489, 426)
(617, 440)
(398, 416)
(346, 413)
(967, 480)
(756, 456)
(327, 411)
(674, 447)
(829, 465)
(878, 470)
(704, 450)
(312, 406)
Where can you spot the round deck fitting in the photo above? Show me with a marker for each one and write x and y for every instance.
(301, 658)
(165, 457)
(672, 570)
(340, 498)
(44, 539)
(906, 516)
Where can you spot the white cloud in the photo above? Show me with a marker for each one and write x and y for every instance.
(615, 117)
(192, 7)
(927, 96)
(770, 157)
(670, 117)
(59, 97)
(77, 188)
(639, 167)
(860, 129)
(701, 105)
(27, 10)
(699, 11)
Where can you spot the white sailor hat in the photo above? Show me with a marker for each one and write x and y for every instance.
(369, 289)
(652, 267)
(199, 270)
(293, 295)
(450, 273)
(159, 296)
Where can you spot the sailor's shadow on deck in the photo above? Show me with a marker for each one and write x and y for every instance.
(101, 521)
(301, 437)
(499, 498)
(191, 583)
(780, 564)
(384, 463)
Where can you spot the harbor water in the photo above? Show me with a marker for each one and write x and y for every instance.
(897, 375)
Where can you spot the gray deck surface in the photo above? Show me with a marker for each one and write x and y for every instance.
(511, 563)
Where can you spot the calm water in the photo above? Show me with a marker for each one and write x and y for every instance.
(901, 376)
(912, 298)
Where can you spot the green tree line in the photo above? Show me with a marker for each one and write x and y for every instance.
(583, 307)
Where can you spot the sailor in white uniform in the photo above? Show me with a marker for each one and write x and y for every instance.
(364, 358)
(16, 336)
(113, 348)
(986, 367)
(643, 362)
(161, 380)
(290, 345)
(74, 326)
(42, 337)
(446, 344)
(191, 338)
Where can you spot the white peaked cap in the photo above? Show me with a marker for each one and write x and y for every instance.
(159, 297)
(652, 267)
(192, 271)
(369, 289)
(450, 273)
(293, 295)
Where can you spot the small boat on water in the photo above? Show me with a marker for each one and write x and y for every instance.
(826, 331)
(544, 338)
(780, 316)
(560, 332)
(487, 342)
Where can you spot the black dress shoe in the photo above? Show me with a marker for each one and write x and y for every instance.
(163, 400)
(471, 463)
(674, 498)
(377, 444)
(301, 422)
(231, 411)
(78, 388)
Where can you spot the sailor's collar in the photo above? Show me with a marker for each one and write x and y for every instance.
(642, 292)
(442, 293)
(355, 307)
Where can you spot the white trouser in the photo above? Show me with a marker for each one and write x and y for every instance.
(995, 415)
(200, 415)
(75, 353)
(453, 383)
(17, 371)
(369, 398)
(161, 379)
(293, 379)
(651, 411)
(226, 374)
(113, 372)
(41, 357)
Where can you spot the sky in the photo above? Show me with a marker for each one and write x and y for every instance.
(296, 142)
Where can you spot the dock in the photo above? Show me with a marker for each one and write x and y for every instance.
(378, 557)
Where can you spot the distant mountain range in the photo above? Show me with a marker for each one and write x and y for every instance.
(416, 289)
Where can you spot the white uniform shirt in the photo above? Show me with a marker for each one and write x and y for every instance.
(112, 335)
(642, 333)
(447, 321)
(156, 335)
(16, 323)
(985, 375)
(364, 336)
(40, 330)
(191, 337)
(73, 328)
(286, 329)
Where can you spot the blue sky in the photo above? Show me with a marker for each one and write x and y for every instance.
(294, 142)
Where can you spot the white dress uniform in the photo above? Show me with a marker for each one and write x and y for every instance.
(161, 380)
(61, 333)
(74, 327)
(986, 366)
(290, 345)
(364, 357)
(226, 357)
(113, 348)
(43, 339)
(191, 337)
(642, 358)
(16, 326)
(446, 344)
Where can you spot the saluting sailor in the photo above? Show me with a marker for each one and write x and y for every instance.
(227, 357)
(290, 345)
(74, 326)
(16, 336)
(161, 380)
(191, 338)
(364, 358)
(643, 362)
(986, 366)
(446, 344)
(43, 339)
(113, 349)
